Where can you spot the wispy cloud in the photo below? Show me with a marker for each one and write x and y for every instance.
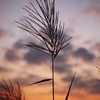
(5, 70)
(91, 9)
(64, 68)
(11, 55)
(19, 45)
(91, 86)
(35, 57)
(84, 54)
(3, 33)
(27, 80)
(97, 46)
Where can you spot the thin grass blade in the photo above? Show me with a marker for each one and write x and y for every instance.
(70, 86)
(44, 80)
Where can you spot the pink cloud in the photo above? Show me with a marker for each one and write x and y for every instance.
(3, 33)
(5, 70)
(97, 46)
(92, 9)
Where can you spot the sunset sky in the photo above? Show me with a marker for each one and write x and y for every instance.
(26, 65)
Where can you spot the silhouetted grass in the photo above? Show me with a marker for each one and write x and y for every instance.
(51, 33)
(67, 95)
(10, 91)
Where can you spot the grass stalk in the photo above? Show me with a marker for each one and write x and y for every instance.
(53, 78)
(51, 33)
